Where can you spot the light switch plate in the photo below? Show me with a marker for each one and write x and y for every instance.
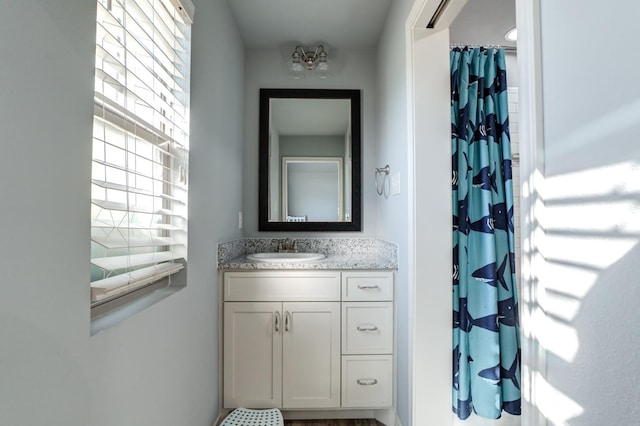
(395, 184)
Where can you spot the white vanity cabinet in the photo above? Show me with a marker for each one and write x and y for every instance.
(282, 339)
(308, 339)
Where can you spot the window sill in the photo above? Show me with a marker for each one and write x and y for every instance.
(114, 312)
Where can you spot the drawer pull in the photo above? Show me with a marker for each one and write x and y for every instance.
(365, 328)
(368, 286)
(287, 321)
(367, 382)
(277, 321)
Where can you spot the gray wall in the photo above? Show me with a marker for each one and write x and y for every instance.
(355, 69)
(589, 284)
(393, 148)
(159, 367)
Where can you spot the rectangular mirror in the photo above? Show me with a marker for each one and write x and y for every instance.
(310, 145)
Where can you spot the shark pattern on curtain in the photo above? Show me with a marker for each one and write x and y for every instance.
(486, 339)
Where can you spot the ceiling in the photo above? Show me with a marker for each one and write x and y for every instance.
(351, 24)
(484, 22)
(356, 24)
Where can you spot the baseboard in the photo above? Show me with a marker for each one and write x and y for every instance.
(397, 421)
(221, 415)
(326, 414)
(389, 417)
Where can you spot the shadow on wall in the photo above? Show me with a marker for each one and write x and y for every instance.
(584, 311)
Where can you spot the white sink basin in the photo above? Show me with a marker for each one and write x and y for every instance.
(285, 257)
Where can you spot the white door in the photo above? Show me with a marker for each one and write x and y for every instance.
(311, 355)
(253, 354)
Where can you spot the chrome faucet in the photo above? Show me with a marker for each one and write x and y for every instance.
(287, 246)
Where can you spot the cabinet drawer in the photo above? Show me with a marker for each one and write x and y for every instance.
(269, 286)
(367, 327)
(363, 286)
(367, 381)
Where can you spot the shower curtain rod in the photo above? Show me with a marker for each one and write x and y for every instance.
(508, 49)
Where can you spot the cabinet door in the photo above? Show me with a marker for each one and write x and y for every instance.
(311, 355)
(253, 355)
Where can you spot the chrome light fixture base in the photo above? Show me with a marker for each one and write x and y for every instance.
(303, 60)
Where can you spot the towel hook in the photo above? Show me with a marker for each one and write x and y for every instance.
(380, 175)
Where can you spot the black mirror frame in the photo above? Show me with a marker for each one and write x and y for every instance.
(355, 224)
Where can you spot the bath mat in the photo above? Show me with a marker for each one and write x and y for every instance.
(249, 417)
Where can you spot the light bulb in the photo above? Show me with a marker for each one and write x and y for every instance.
(322, 69)
(296, 69)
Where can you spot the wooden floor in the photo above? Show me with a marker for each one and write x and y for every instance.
(354, 422)
(332, 422)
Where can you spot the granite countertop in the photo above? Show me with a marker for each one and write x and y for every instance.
(335, 261)
(341, 253)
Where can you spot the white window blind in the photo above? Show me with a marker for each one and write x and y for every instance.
(140, 160)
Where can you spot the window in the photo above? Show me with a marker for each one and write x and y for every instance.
(140, 145)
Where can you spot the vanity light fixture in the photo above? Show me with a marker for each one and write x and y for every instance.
(306, 60)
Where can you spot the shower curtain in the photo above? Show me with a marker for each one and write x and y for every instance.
(486, 343)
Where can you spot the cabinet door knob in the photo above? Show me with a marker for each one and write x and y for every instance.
(367, 328)
(367, 382)
(277, 321)
(368, 286)
(287, 321)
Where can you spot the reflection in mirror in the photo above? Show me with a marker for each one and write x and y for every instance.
(309, 160)
(325, 203)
